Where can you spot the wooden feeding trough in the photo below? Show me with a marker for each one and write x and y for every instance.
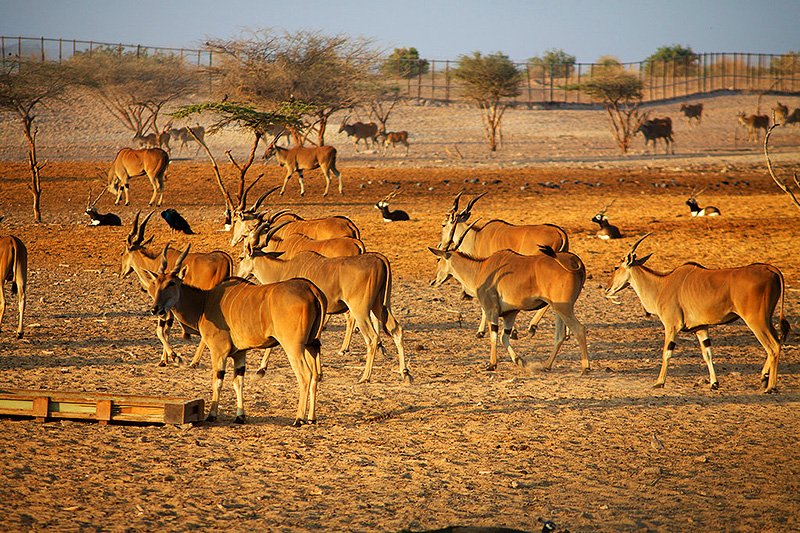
(104, 408)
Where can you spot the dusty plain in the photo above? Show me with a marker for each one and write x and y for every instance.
(604, 451)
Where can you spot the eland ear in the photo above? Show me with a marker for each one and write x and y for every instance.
(639, 261)
(182, 273)
(150, 275)
(438, 253)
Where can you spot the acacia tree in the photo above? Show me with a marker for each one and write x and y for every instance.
(25, 86)
(405, 63)
(488, 80)
(555, 62)
(135, 87)
(682, 59)
(325, 73)
(621, 94)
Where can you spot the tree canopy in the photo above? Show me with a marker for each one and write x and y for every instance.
(404, 63)
(678, 58)
(554, 62)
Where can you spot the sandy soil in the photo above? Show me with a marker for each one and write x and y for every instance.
(460, 446)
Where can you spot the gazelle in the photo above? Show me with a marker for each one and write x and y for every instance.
(236, 316)
(693, 298)
(697, 211)
(14, 269)
(202, 270)
(300, 158)
(391, 216)
(100, 219)
(150, 162)
(359, 284)
(506, 283)
(607, 230)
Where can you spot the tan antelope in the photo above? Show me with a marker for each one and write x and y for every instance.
(360, 285)
(201, 270)
(236, 316)
(294, 243)
(607, 230)
(317, 228)
(150, 162)
(697, 211)
(506, 283)
(753, 123)
(14, 269)
(360, 131)
(779, 113)
(146, 141)
(184, 135)
(495, 235)
(300, 158)
(693, 298)
(394, 138)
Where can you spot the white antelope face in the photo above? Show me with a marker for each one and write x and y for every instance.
(620, 279)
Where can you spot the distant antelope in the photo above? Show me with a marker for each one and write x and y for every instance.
(693, 298)
(185, 136)
(146, 141)
(391, 216)
(360, 131)
(300, 158)
(507, 283)
(697, 211)
(753, 123)
(779, 113)
(607, 230)
(13, 268)
(150, 162)
(693, 111)
(100, 219)
(394, 138)
(236, 316)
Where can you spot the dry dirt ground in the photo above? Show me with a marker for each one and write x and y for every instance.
(510, 448)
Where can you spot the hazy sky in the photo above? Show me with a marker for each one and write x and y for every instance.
(440, 29)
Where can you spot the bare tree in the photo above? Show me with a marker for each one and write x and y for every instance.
(382, 104)
(24, 87)
(488, 80)
(326, 73)
(133, 87)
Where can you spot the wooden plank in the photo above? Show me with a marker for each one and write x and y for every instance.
(40, 409)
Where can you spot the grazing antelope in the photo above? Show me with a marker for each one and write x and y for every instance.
(300, 158)
(394, 138)
(693, 298)
(495, 235)
(150, 162)
(236, 316)
(294, 243)
(391, 216)
(202, 270)
(360, 285)
(697, 211)
(753, 123)
(607, 230)
(97, 218)
(506, 283)
(13, 268)
(360, 131)
(692, 111)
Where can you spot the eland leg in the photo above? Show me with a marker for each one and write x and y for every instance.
(239, 368)
(304, 374)
(705, 348)
(508, 326)
(217, 376)
(669, 346)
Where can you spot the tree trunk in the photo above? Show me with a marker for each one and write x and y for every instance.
(323, 122)
(36, 185)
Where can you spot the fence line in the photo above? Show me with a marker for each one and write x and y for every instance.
(432, 79)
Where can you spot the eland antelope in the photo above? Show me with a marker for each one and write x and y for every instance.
(693, 298)
(150, 162)
(13, 268)
(300, 158)
(294, 243)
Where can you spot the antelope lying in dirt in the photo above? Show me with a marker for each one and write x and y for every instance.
(302, 158)
(201, 270)
(753, 123)
(98, 218)
(13, 268)
(360, 131)
(150, 162)
(697, 211)
(506, 283)
(495, 235)
(607, 230)
(391, 216)
(693, 298)
(360, 284)
(236, 316)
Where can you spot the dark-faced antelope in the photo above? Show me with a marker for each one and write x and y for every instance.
(202, 270)
(14, 269)
(150, 162)
(236, 316)
(97, 218)
(506, 283)
(360, 131)
(391, 216)
(694, 298)
(302, 158)
(607, 230)
(697, 211)
(360, 284)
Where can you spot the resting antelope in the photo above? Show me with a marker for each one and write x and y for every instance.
(391, 216)
(506, 283)
(693, 298)
(236, 316)
(98, 218)
(360, 284)
(607, 230)
(360, 131)
(202, 270)
(150, 162)
(697, 211)
(302, 158)
(753, 123)
(13, 268)
(495, 235)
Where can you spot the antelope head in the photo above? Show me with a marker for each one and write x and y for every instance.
(621, 277)
(454, 217)
(386, 199)
(692, 201)
(134, 241)
(444, 269)
(601, 215)
(91, 204)
(244, 218)
(165, 287)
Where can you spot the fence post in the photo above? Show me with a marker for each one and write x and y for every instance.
(433, 79)
(3, 49)
(19, 48)
(42, 48)
(528, 77)
(91, 46)
(578, 92)
(60, 53)
(447, 81)
(419, 80)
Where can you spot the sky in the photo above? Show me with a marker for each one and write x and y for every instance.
(630, 30)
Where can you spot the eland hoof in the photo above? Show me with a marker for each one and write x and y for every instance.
(261, 372)
(239, 419)
(297, 423)
(490, 368)
(407, 378)
(658, 385)
(532, 331)
(312, 422)
(480, 334)
(211, 418)
(162, 363)
(715, 385)
(19, 335)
